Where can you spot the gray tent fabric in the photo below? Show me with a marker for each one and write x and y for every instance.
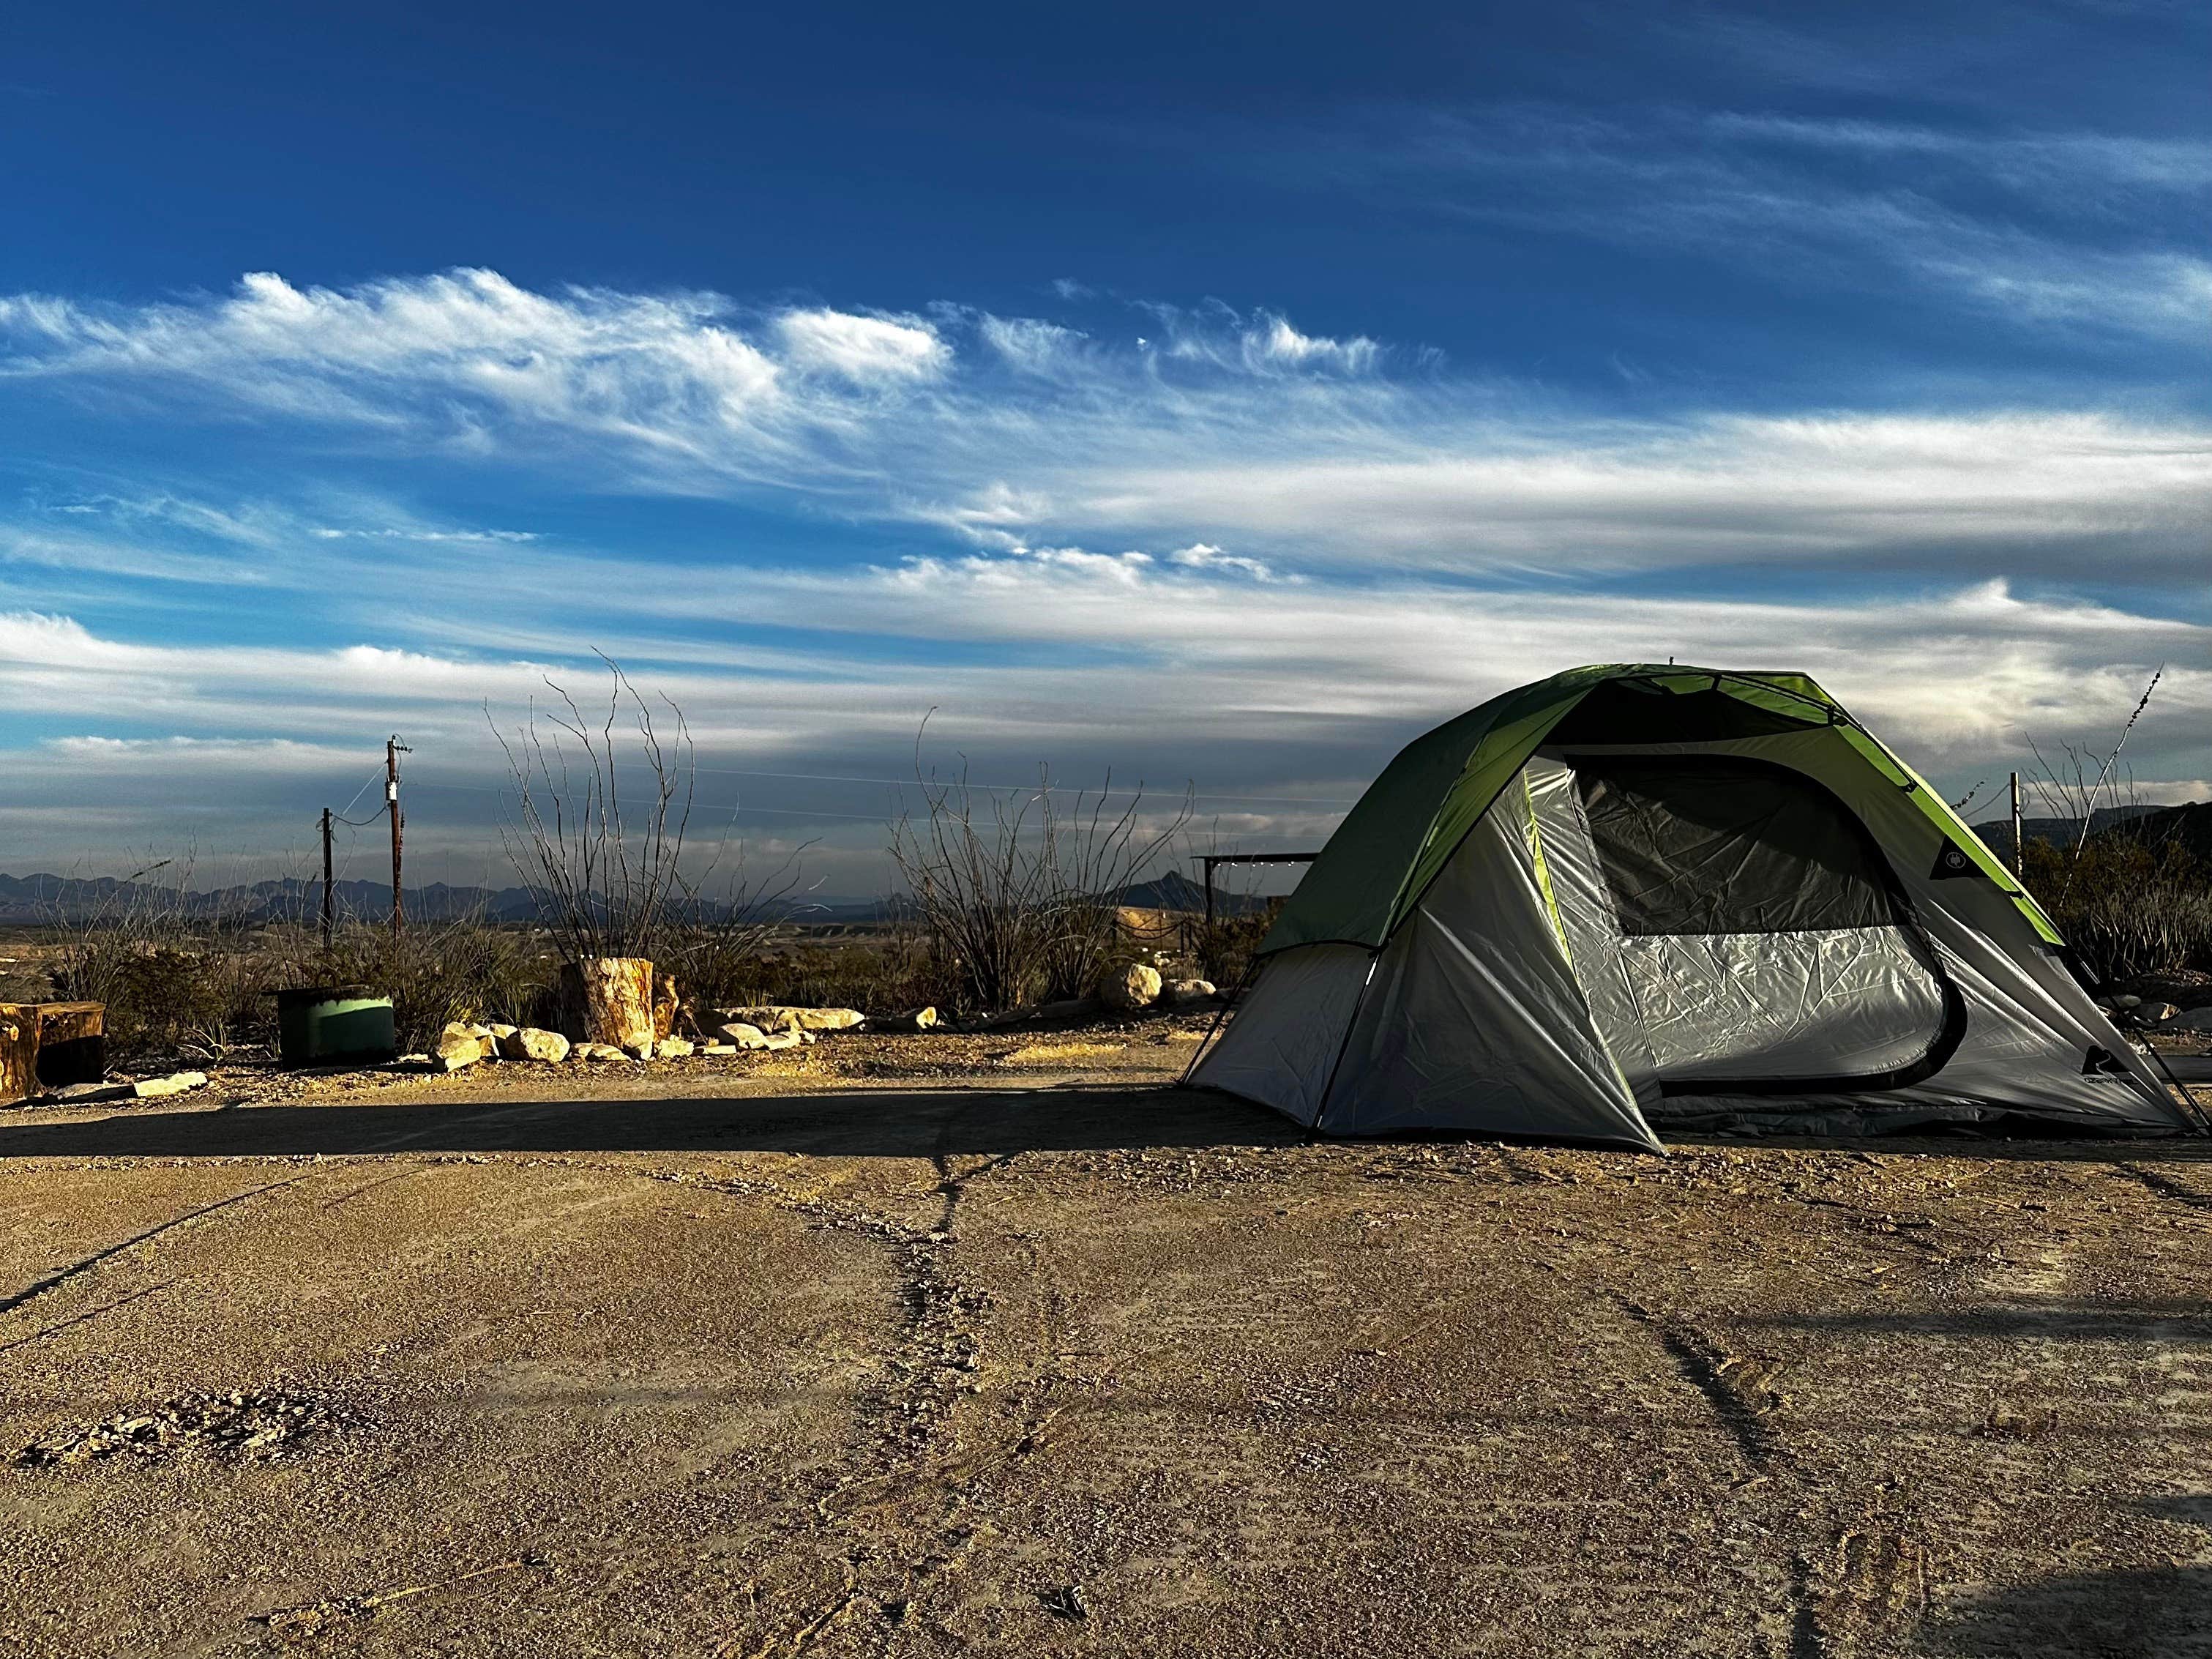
(1475, 998)
(1759, 930)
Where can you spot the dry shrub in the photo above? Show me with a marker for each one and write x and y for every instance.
(176, 978)
(435, 972)
(601, 806)
(886, 975)
(1018, 890)
(2128, 908)
(1224, 947)
(198, 998)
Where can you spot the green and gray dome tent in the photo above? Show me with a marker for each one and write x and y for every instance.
(1630, 896)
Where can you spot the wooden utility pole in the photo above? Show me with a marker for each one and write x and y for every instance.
(2019, 851)
(326, 880)
(393, 749)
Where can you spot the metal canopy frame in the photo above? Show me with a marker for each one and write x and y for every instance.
(1209, 860)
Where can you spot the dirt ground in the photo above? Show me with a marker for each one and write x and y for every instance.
(929, 1346)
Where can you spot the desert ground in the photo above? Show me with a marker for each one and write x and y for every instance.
(941, 1345)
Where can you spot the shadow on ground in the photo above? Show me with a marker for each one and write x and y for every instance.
(919, 1123)
(843, 1123)
(2159, 1614)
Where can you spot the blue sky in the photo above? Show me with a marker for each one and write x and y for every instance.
(1213, 399)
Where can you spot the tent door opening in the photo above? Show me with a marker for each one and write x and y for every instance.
(1762, 939)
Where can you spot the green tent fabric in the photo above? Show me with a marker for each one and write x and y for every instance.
(1392, 845)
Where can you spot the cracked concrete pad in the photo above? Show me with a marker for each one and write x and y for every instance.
(945, 1370)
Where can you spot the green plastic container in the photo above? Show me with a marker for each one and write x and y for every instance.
(324, 1025)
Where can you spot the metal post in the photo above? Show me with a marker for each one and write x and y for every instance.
(326, 879)
(2019, 852)
(393, 749)
(1208, 863)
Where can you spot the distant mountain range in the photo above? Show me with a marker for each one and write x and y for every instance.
(40, 899)
(2145, 822)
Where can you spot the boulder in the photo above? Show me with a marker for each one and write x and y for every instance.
(530, 1043)
(790, 1037)
(1129, 986)
(919, 1019)
(671, 1048)
(2197, 1019)
(461, 1045)
(738, 1035)
(597, 1051)
(716, 1050)
(2156, 1013)
(176, 1083)
(1182, 992)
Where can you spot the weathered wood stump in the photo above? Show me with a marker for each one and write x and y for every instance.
(50, 1045)
(609, 1000)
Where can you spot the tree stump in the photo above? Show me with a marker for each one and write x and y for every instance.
(50, 1045)
(19, 1052)
(666, 1004)
(608, 999)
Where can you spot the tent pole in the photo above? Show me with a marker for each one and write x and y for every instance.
(1214, 1029)
(1350, 1024)
(2188, 1100)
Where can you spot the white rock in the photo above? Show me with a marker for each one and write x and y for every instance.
(1133, 985)
(460, 1047)
(807, 1019)
(1182, 993)
(530, 1042)
(739, 1034)
(718, 1050)
(598, 1051)
(176, 1083)
(672, 1049)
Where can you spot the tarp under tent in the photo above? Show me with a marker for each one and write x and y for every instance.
(1631, 897)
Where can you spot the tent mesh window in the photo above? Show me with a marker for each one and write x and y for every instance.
(1706, 844)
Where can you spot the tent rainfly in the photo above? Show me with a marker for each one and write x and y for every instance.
(1631, 897)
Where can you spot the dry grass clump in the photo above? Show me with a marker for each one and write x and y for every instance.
(438, 972)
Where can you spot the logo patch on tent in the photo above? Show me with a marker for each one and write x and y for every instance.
(2100, 1063)
(1952, 861)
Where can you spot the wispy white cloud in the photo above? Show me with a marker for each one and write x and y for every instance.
(861, 347)
(1236, 430)
(2082, 230)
